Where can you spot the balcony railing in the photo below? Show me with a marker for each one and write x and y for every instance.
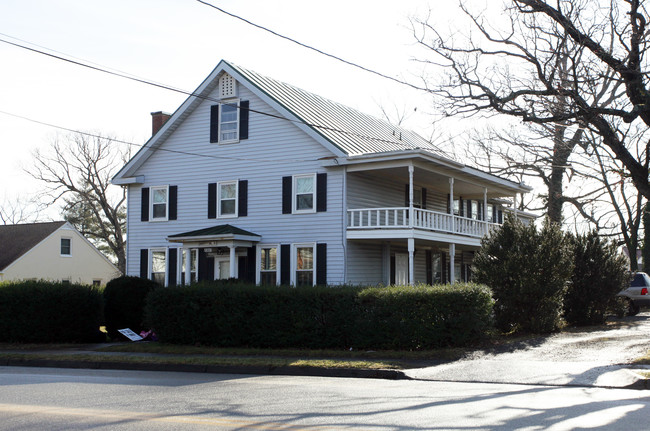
(398, 218)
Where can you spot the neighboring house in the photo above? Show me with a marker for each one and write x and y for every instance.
(256, 179)
(51, 251)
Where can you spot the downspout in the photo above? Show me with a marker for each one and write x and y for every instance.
(411, 239)
(344, 239)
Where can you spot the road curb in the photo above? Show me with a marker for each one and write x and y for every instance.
(214, 369)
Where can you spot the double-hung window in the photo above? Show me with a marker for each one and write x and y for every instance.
(304, 193)
(66, 247)
(159, 200)
(304, 265)
(229, 122)
(158, 266)
(269, 265)
(227, 197)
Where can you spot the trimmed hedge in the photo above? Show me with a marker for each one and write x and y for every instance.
(420, 317)
(49, 312)
(124, 300)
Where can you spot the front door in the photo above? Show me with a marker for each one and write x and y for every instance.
(222, 268)
(401, 268)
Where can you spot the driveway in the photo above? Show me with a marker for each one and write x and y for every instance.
(593, 356)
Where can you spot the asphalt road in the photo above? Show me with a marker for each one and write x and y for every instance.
(61, 399)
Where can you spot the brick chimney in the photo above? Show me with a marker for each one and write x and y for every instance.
(158, 119)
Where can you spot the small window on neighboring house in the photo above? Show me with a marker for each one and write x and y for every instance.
(456, 207)
(97, 282)
(268, 265)
(65, 282)
(490, 213)
(159, 203)
(304, 265)
(304, 191)
(66, 247)
(158, 267)
(227, 198)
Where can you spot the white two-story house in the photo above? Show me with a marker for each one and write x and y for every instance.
(258, 180)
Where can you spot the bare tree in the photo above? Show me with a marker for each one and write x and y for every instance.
(17, 210)
(77, 169)
(569, 64)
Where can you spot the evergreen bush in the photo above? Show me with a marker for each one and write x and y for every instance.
(528, 271)
(124, 300)
(49, 312)
(600, 272)
(402, 317)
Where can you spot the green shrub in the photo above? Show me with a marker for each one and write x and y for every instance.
(49, 312)
(528, 271)
(229, 315)
(600, 272)
(124, 300)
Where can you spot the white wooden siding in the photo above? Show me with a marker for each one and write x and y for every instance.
(275, 148)
(365, 264)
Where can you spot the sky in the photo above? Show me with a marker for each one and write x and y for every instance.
(178, 43)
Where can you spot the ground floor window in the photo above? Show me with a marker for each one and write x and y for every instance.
(158, 266)
(305, 265)
(269, 265)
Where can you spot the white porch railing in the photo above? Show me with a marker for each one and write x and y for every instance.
(398, 218)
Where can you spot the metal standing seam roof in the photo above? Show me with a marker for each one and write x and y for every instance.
(18, 239)
(352, 131)
(225, 229)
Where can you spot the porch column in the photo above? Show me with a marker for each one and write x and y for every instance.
(411, 246)
(188, 266)
(452, 263)
(233, 263)
(451, 202)
(411, 211)
(485, 220)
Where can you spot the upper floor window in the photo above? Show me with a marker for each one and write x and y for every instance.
(227, 196)
(304, 193)
(159, 203)
(66, 247)
(229, 122)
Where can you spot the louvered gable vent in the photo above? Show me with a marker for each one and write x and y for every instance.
(227, 86)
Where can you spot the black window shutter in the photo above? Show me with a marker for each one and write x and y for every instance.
(214, 123)
(243, 119)
(285, 264)
(500, 217)
(172, 266)
(469, 208)
(424, 198)
(250, 270)
(212, 200)
(242, 211)
(173, 198)
(321, 192)
(321, 264)
(286, 194)
(144, 204)
(461, 207)
(429, 267)
(448, 204)
(392, 269)
(144, 263)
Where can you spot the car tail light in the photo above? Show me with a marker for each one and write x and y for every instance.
(644, 291)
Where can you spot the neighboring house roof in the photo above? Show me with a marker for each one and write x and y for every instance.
(18, 239)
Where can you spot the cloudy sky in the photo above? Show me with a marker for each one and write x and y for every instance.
(178, 43)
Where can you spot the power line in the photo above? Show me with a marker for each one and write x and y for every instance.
(319, 51)
(186, 153)
(103, 69)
